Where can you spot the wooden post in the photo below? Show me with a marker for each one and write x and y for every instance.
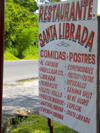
(1, 54)
(49, 124)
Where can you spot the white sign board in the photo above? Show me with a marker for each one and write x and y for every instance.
(68, 63)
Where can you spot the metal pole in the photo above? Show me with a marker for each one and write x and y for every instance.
(49, 124)
(1, 55)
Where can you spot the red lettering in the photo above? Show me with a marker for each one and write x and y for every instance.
(54, 7)
(45, 13)
(82, 101)
(72, 12)
(79, 9)
(41, 13)
(90, 9)
(85, 7)
(55, 107)
(67, 30)
(59, 116)
(60, 36)
(84, 35)
(48, 34)
(58, 13)
(78, 33)
(72, 31)
(49, 13)
(69, 97)
(73, 98)
(87, 94)
(90, 41)
(41, 43)
(62, 11)
(54, 32)
(66, 11)
(55, 100)
(42, 109)
(74, 106)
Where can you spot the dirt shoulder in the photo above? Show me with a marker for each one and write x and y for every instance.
(22, 96)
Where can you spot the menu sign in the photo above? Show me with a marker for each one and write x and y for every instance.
(68, 63)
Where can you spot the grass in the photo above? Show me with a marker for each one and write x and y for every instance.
(38, 124)
(29, 54)
(26, 80)
(30, 57)
(8, 56)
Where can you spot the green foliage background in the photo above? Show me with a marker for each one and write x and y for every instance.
(21, 27)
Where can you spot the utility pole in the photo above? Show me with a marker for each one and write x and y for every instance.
(1, 55)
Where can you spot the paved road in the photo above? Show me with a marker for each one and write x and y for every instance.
(18, 70)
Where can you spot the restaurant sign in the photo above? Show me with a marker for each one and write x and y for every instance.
(68, 63)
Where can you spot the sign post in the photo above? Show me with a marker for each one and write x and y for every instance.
(68, 64)
(49, 125)
(1, 55)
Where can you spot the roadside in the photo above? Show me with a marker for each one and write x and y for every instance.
(31, 53)
(23, 96)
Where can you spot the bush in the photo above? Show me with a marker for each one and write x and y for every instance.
(13, 51)
(32, 50)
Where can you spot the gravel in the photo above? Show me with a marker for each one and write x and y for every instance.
(23, 96)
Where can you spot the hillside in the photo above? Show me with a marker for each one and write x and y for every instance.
(21, 30)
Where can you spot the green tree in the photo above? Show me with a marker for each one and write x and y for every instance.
(21, 28)
(49, 1)
(30, 4)
(11, 1)
(25, 37)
